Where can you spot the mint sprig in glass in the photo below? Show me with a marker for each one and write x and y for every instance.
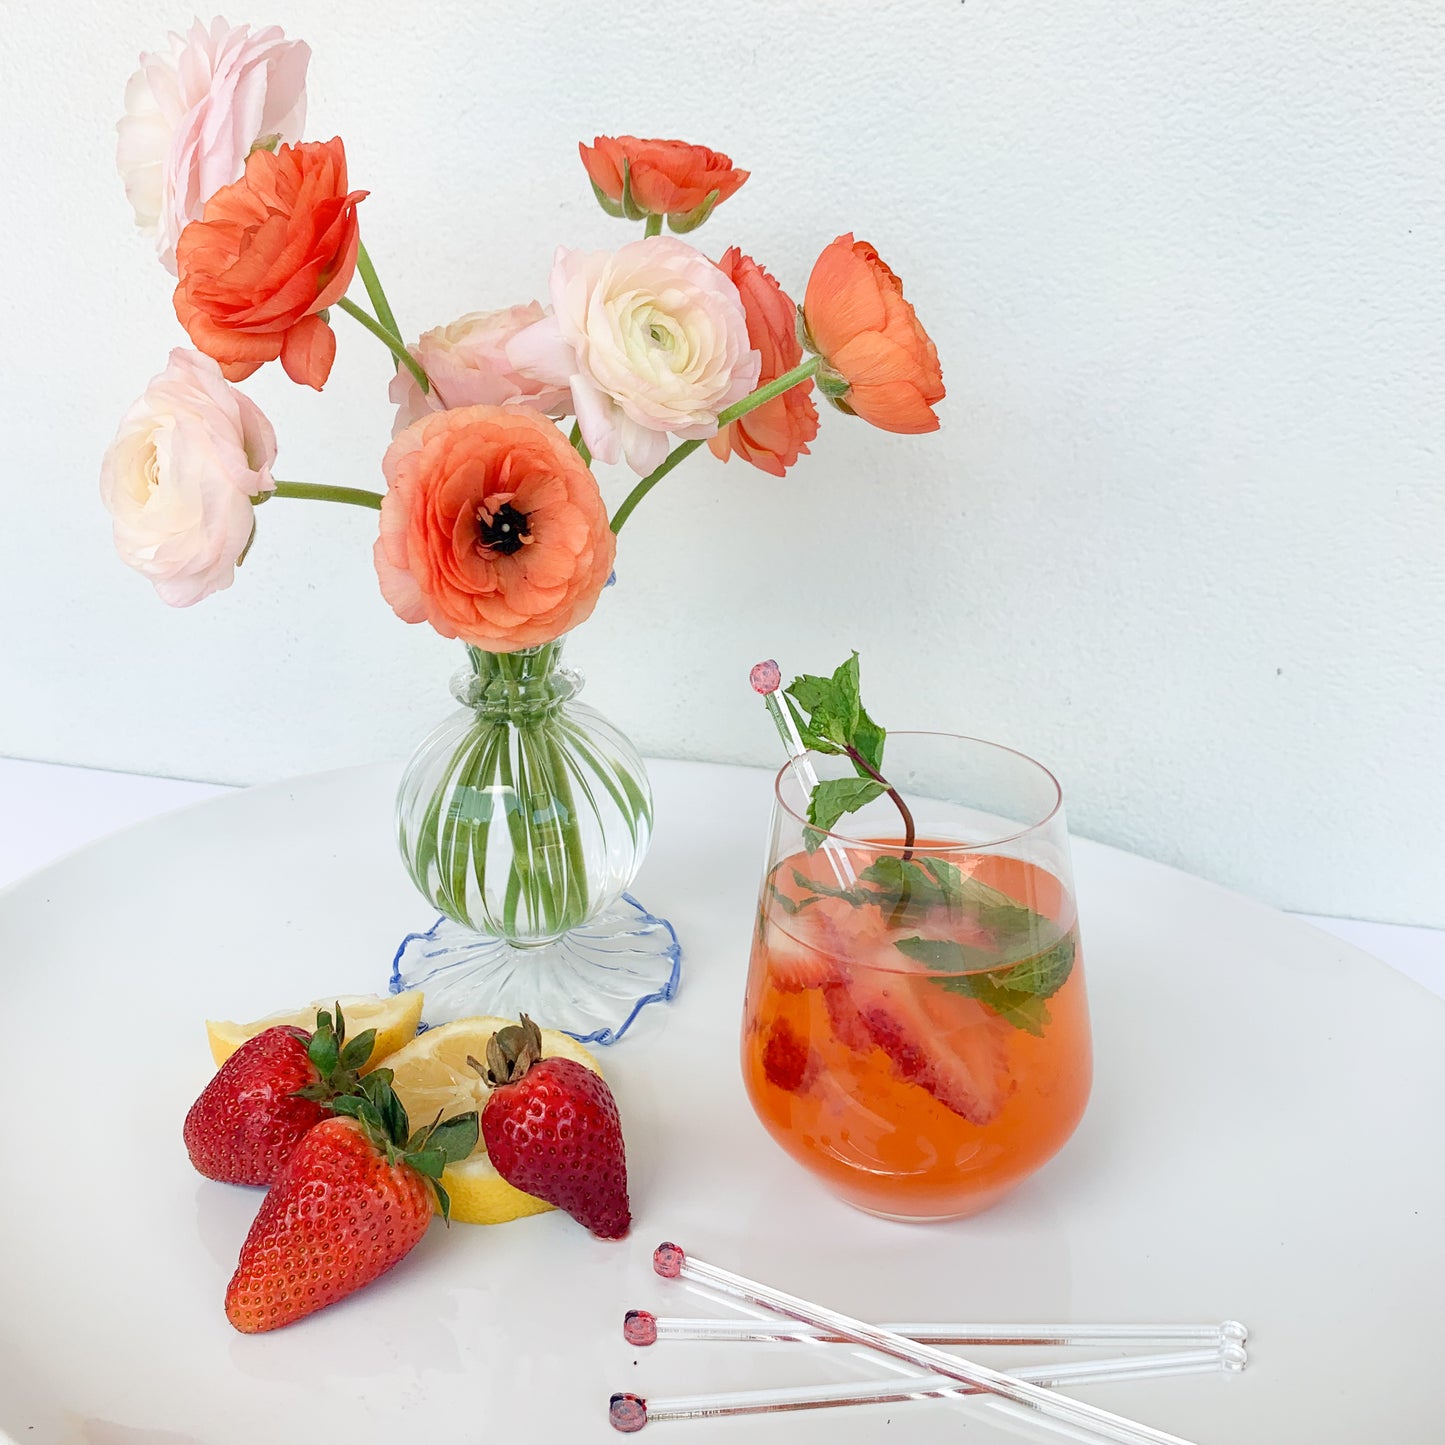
(916, 1030)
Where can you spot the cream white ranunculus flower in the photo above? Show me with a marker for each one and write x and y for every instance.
(192, 117)
(179, 477)
(652, 339)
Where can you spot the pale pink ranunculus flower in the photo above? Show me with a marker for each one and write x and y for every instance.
(652, 339)
(467, 365)
(193, 116)
(179, 477)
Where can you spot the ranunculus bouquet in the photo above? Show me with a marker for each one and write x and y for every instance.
(492, 525)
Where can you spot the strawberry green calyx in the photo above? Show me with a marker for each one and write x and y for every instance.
(338, 1061)
(512, 1051)
(429, 1150)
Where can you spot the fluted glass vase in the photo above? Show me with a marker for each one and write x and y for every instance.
(524, 818)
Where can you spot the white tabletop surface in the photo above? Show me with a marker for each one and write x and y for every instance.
(1262, 1143)
(47, 809)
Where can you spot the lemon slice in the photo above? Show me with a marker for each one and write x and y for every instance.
(431, 1076)
(394, 1017)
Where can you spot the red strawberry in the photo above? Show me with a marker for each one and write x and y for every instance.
(351, 1201)
(804, 949)
(949, 1045)
(788, 1062)
(551, 1129)
(266, 1096)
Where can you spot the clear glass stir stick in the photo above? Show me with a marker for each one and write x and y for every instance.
(1087, 1422)
(642, 1327)
(630, 1412)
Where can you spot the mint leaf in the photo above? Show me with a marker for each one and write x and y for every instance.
(1045, 973)
(1015, 993)
(835, 796)
(847, 692)
(945, 955)
(868, 739)
(1023, 1010)
(835, 712)
(855, 896)
(908, 892)
(829, 716)
(813, 694)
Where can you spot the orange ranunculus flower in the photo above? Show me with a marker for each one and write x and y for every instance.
(664, 178)
(269, 252)
(879, 361)
(773, 436)
(492, 528)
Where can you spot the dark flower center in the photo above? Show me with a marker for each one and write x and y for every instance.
(506, 532)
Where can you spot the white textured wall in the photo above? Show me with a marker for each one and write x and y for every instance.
(1181, 534)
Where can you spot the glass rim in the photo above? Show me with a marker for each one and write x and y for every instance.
(789, 769)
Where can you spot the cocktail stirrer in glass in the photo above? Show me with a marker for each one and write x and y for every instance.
(766, 680)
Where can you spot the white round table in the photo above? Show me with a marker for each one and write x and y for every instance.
(1263, 1143)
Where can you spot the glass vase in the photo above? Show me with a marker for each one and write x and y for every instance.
(523, 819)
(916, 1033)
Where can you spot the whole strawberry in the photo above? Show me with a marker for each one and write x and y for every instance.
(551, 1129)
(265, 1097)
(353, 1200)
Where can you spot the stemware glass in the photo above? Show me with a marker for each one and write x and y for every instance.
(915, 1030)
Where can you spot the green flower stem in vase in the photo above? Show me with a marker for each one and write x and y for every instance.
(524, 818)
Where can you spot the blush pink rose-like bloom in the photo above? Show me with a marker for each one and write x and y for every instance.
(467, 365)
(192, 117)
(652, 339)
(179, 477)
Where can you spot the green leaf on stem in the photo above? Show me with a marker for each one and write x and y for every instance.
(834, 797)
(1016, 993)
(836, 719)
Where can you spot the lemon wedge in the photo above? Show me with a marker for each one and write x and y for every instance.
(394, 1017)
(432, 1075)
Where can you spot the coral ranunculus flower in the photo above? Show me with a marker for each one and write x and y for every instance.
(879, 361)
(492, 528)
(664, 177)
(270, 252)
(773, 436)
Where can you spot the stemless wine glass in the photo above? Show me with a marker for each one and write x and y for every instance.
(916, 1032)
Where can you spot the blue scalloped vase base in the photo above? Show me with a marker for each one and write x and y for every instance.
(590, 983)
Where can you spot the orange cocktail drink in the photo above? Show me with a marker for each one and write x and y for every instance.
(916, 1031)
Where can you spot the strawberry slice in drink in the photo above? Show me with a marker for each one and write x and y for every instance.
(947, 1044)
(804, 949)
